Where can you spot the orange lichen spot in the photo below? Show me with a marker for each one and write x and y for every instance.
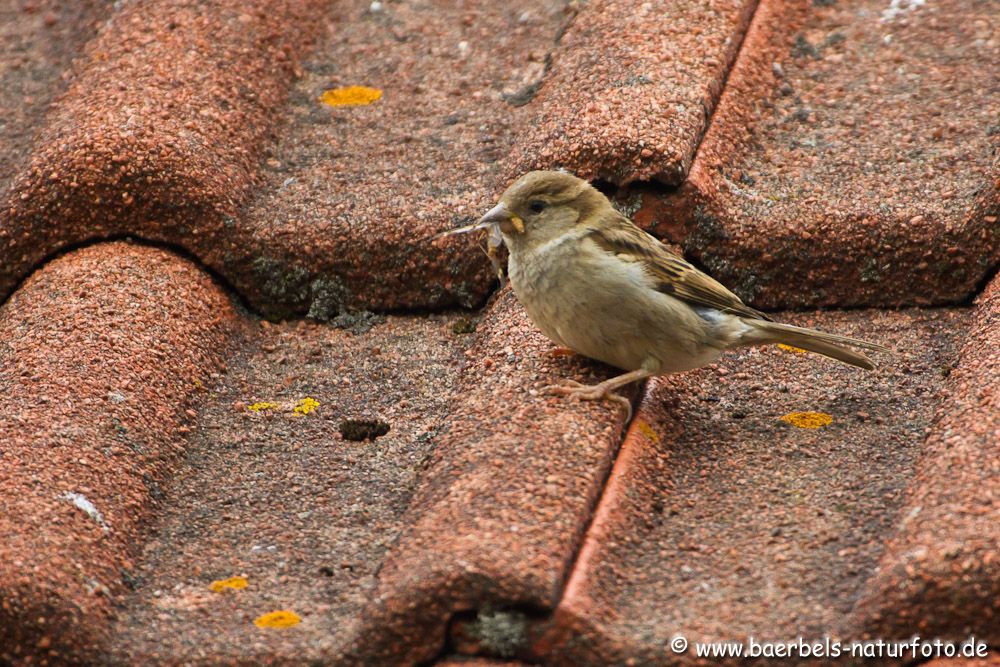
(306, 405)
(284, 618)
(236, 583)
(807, 419)
(647, 430)
(258, 407)
(351, 96)
(792, 348)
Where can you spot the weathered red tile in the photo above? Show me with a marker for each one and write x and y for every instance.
(352, 195)
(38, 39)
(852, 157)
(940, 575)
(376, 544)
(632, 87)
(720, 521)
(101, 356)
(506, 494)
(159, 131)
(284, 500)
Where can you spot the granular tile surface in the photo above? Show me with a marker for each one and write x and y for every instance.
(188, 479)
(284, 499)
(158, 132)
(38, 39)
(506, 496)
(721, 521)
(941, 572)
(632, 87)
(352, 194)
(853, 157)
(101, 354)
(373, 543)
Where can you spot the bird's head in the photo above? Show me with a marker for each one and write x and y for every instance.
(542, 205)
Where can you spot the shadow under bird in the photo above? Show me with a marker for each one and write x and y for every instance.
(595, 283)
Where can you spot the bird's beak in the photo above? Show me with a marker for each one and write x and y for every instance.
(498, 216)
(507, 221)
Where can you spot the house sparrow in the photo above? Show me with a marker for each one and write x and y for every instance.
(594, 282)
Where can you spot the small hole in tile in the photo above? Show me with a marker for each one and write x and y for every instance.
(363, 429)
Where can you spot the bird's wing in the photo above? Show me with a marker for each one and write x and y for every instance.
(671, 274)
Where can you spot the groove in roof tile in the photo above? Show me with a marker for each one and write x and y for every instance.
(351, 196)
(38, 40)
(505, 496)
(852, 160)
(159, 131)
(284, 500)
(721, 522)
(632, 87)
(940, 575)
(100, 355)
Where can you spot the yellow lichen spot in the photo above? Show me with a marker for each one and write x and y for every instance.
(306, 405)
(236, 583)
(258, 407)
(792, 348)
(284, 618)
(351, 96)
(807, 419)
(647, 430)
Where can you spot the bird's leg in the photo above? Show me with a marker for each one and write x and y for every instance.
(603, 390)
(561, 352)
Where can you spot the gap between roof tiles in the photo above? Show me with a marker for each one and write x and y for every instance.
(709, 115)
(625, 200)
(506, 632)
(993, 273)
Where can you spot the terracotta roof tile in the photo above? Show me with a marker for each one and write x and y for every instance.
(37, 42)
(181, 475)
(940, 574)
(853, 157)
(352, 195)
(284, 500)
(505, 497)
(721, 521)
(991, 661)
(102, 353)
(158, 132)
(632, 87)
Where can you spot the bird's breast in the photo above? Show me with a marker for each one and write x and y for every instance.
(584, 299)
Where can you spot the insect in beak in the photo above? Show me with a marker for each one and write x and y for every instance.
(497, 217)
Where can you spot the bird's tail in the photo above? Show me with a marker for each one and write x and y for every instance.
(762, 332)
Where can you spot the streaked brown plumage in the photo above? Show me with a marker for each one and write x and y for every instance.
(594, 282)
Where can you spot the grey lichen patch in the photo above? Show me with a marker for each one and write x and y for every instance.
(501, 633)
(283, 285)
(357, 322)
(328, 299)
(628, 204)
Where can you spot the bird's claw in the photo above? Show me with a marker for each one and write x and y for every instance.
(565, 386)
(583, 392)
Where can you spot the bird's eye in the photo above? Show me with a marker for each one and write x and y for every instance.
(537, 206)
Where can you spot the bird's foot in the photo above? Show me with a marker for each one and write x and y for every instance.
(597, 392)
(561, 352)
